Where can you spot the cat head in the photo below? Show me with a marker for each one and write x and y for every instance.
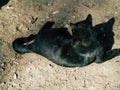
(82, 31)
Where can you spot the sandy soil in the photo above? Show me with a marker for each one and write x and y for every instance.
(33, 72)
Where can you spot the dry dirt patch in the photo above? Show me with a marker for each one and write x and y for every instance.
(33, 72)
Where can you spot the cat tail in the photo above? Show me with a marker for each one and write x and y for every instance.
(20, 44)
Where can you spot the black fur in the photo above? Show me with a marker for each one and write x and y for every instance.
(3, 2)
(83, 31)
(60, 47)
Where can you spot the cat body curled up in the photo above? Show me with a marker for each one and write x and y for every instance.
(66, 50)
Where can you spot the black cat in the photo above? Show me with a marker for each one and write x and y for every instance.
(60, 47)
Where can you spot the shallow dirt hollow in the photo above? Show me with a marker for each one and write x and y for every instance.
(21, 18)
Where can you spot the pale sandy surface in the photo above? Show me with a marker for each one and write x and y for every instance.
(34, 72)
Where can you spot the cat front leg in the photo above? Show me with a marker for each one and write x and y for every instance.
(109, 55)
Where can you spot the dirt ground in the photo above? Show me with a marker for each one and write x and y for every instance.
(20, 18)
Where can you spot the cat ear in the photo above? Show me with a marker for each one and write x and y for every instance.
(89, 19)
(111, 21)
